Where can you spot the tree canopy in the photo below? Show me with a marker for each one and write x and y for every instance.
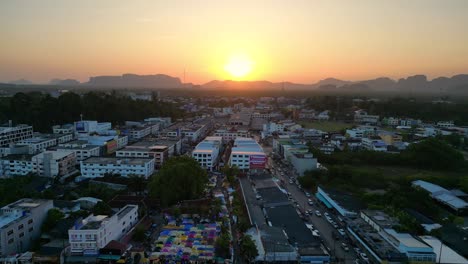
(42, 110)
(248, 248)
(180, 178)
(53, 216)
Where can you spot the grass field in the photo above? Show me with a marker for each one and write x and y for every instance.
(326, 126)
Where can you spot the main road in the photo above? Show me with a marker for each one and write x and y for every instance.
(325, 229)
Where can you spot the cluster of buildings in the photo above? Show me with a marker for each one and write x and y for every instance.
(95, 149)
(21, 223)
(376, 233)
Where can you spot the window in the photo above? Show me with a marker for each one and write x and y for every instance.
(20, 227)
(21, 234)
(31, 229)
(10, 232)
(10, 241)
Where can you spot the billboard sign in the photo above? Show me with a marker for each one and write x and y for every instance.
(258, 161)
(80, 126)
(111, 146)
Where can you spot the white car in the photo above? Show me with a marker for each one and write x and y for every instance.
(317, 213)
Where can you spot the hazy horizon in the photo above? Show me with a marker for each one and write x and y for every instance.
(299, 41)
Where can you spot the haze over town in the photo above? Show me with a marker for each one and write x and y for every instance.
(300, 131)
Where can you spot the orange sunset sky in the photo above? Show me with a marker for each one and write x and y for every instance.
(296, 40)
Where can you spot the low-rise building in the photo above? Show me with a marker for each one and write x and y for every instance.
(161, 150)
(12, 134)
(89, 235)
(20, 224)
(88, 127)
(82, 149)
(361, 116)
(98, 167)
(374, 144)
(445, 124)
(41, 142)
(48, 164)
(231, 133)
(207, 152)
(16, 165)
(390, 138)
(247, 154)
(345, 204)
(446, 197)
(63, 129)
(55, 163)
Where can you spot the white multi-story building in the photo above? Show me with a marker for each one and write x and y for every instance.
(247, 154)
(139, 130)
(109, 143)
(375, 144)
(94, 232)
(207, 152)
(273, 127)
(82, 149)
(48, 164)
(16, 165)
(323, 116)
(87, 127)
(12, 134)
(97, 167)
(54, 163)
(361, 116)
(307, 114)
(162, 121)
(40, 142)
(232, 133)
(160, 150)
(445, 124)
(20, 224)
(64, 129)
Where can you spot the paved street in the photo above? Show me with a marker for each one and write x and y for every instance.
(326, 229)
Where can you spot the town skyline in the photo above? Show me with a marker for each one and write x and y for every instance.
(302, 42)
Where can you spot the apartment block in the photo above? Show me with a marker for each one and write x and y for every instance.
(98, 167)
(96, 231)
(20, 224)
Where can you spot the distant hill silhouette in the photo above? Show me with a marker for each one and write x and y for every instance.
(258, 85)
(64, 82)
(21, 82)
(415, 83)
(134, 80)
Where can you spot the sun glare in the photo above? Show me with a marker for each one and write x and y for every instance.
(239, 66)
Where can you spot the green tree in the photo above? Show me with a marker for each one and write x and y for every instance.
(102, 208)
(231, 173)
(180, 178)
(53, 217)
(248, 248)
(139, 234)
(222, 246)
(136, 184)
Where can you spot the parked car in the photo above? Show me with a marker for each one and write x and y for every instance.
(317, 213)
(364, 257)
(341, 231)
(307, 194)
(345, 247)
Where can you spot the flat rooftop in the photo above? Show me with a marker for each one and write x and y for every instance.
(18, 157)
(345, 200)
(107, 161)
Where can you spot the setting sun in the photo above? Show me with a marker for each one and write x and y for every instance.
(239, 66)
